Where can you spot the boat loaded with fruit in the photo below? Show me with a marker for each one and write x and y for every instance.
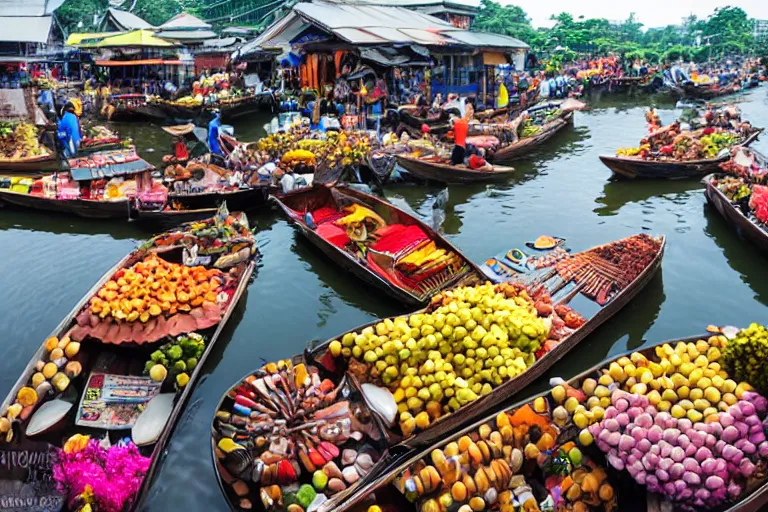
(679, 151)
(740, 194)
(677, 426)
(86, 422)
(311, 432)
(27, 138)
(100, 138)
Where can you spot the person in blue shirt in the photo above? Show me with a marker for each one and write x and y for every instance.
(214, 130)
(69, 131)
(45, 100)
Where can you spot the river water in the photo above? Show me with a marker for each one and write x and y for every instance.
(709, 275)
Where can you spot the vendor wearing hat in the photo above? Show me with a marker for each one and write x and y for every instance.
(69, 130)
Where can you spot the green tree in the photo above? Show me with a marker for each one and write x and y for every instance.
(157, 12)
(78, 15)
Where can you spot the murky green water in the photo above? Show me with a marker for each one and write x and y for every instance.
(709, 274)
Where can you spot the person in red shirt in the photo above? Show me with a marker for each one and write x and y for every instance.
(460, 129)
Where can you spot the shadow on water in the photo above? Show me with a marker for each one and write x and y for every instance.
(57, 224)
(619, 192)
(741, 255)
(339, 282)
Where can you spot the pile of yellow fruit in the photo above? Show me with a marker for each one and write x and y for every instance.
(471, 340)
(154, 286)
(51, 376)
(687, 382)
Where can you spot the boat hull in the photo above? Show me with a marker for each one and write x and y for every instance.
(30, 167)
(80, 207)
(525, 146)
(167, 219)
(733, 215)
(445, 173)
(246, 199)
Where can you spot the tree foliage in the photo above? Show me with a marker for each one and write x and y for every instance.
(727, 31)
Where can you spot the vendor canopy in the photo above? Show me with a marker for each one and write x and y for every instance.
(23, 8)
(25, 29)
(137, 38)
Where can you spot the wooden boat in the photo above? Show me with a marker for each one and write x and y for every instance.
(447, 173)
(29, 481)
(81, 207)
(400, 447)
(746, 226)
(634, 167)
(34, 166)
(706, 92)
(295, 204)
(385, 487)
(254, 196)
(131, 107)
(174, 111)
(528, 144)
(167, 219)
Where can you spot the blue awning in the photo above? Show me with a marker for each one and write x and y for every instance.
(109, 171)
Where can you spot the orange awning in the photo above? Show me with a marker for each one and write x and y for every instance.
(145, 62)
(494, 59)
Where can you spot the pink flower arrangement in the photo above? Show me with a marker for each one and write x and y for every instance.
(106, 478)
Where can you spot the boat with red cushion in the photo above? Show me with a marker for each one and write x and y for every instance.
(378, 242)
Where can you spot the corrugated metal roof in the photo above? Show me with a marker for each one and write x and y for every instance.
(127, 20)
(24, 8)
(184, 20)
(357, 36)
(25, 29)
(425, 36)
(339, 15)
(187, 35)
(485, 39)
(391, 34)
(420, 3)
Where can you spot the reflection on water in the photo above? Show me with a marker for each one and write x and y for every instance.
(709, 275)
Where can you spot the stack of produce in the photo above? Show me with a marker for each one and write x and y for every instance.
(19, 141)
(52, 376)
(184, 102)
(734, 188)
(335, 151)
(536, 120)
(519, 459)
(180, 356)
(226, 238)
(678, 422)
(608, 269)
(469, 341)
(293, 440)
(669, 143)
(151, 300)
(99, 136)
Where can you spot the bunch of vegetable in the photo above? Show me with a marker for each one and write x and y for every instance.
(734, 188)
(712, 144)
(746, 357)
(176, 358)
(633, 151)
(19, 140)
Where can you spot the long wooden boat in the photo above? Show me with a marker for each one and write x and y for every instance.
(376, 273)
(242, 199)
(528, 144)
(708, 91)
(34, 166)
(447, 173)
(81, 207)
(174, 111)
(388, 488)
(26, 479)
(401, 444)
(634, 167)
(747, 227)
(167, 219)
